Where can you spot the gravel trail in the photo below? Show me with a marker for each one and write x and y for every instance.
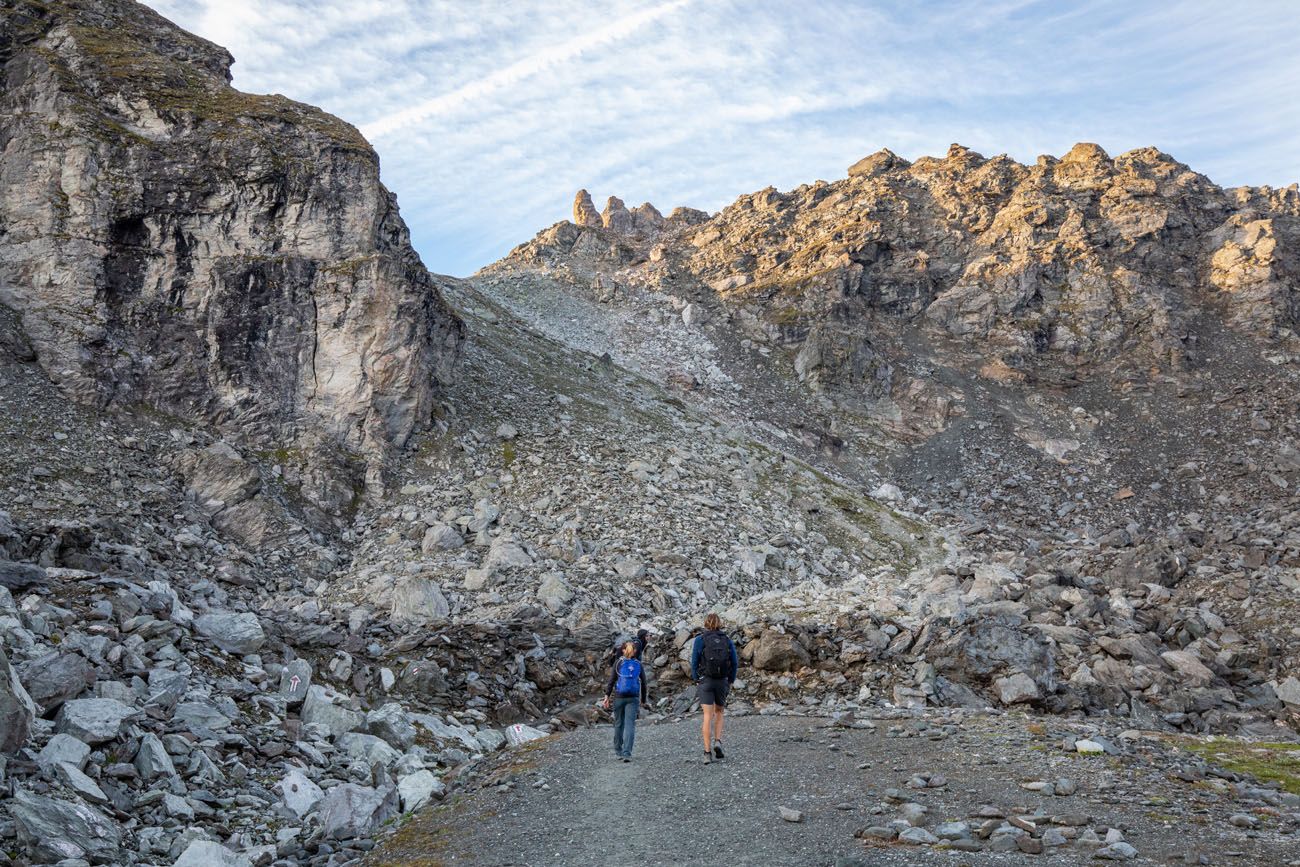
(566, 801)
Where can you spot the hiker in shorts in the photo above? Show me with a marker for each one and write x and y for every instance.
(627, 688)
(713, 668)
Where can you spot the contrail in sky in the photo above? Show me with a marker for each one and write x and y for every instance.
(519, 70)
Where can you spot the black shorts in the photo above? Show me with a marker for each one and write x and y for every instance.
(713, 690)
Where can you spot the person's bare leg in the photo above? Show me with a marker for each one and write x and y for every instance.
(706, 726)
(718, 716)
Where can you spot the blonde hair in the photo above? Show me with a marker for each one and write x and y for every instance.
(626, 645)
(712, 621)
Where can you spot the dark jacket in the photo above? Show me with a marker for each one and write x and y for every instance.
(613, 679)
(698, 650)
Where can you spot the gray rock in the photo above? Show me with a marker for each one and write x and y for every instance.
(913, 813)
(419, 600)
(441, 537)
(205, 853)
(1190, 670)
(490, 740)
(776, 651)
(790, 815)
(177, 807)
(93, 720)
(555, 593)
(295, 681)
(63, 748)
(520, 734)
(349, 810)
(917, 837)
(201, 718)
(419, 788)
(368, 749)
(1288, 691)
(1016, 689)
(320, 709)
(78, 782)
(506, 553)
(166, 687)
(393, 724)
(50, 830)
(952, 831)
(151, 759)
(56, 677)
(1119, 851)
(301, 795)
(16, 708)
(18, 577)
(219, 479)
(240, 634)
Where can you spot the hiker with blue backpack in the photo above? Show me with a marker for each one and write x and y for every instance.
(627, 687)
(713, 668)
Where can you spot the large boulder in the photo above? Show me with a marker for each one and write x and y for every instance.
(63, 749)
(349, 811)
(393, 724)
(152, 760)
(301, 795)
(419, 788)
(56, 677)
(219, 478)
(368, 749)
(93, 720)
(996, 644)
(1016, 688)
(51, 830)
(1152, 563)
(18, 577)
(206, 853)
(320, 708)
(239, 634)
(555, 593)
(1189, 669)
(441, 537)
(419, 600)
(295, 680)
(778, 651)
(16, 708)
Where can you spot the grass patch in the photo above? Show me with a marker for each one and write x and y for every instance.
(1268, 763)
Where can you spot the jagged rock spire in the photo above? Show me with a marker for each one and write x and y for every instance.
(616, 216)
(584, 211)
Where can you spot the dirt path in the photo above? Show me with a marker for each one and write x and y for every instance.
(565, 801)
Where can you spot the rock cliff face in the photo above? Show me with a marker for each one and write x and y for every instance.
(1062, 266)
(170, 242)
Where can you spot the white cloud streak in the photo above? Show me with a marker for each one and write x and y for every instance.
(470, 94)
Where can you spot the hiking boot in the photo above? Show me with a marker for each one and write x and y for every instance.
(627, 758)
(717, 750)
(708, 757)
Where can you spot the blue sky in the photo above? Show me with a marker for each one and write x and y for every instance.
(488, 116)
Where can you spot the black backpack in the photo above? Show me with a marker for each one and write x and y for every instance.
(715, 655)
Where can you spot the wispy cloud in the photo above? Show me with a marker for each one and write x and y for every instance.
(470, 94)
(488, 116)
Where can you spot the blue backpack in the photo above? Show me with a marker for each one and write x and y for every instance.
(629, 678)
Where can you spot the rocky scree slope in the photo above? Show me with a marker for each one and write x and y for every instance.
(172, 243)
(1084, 369)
